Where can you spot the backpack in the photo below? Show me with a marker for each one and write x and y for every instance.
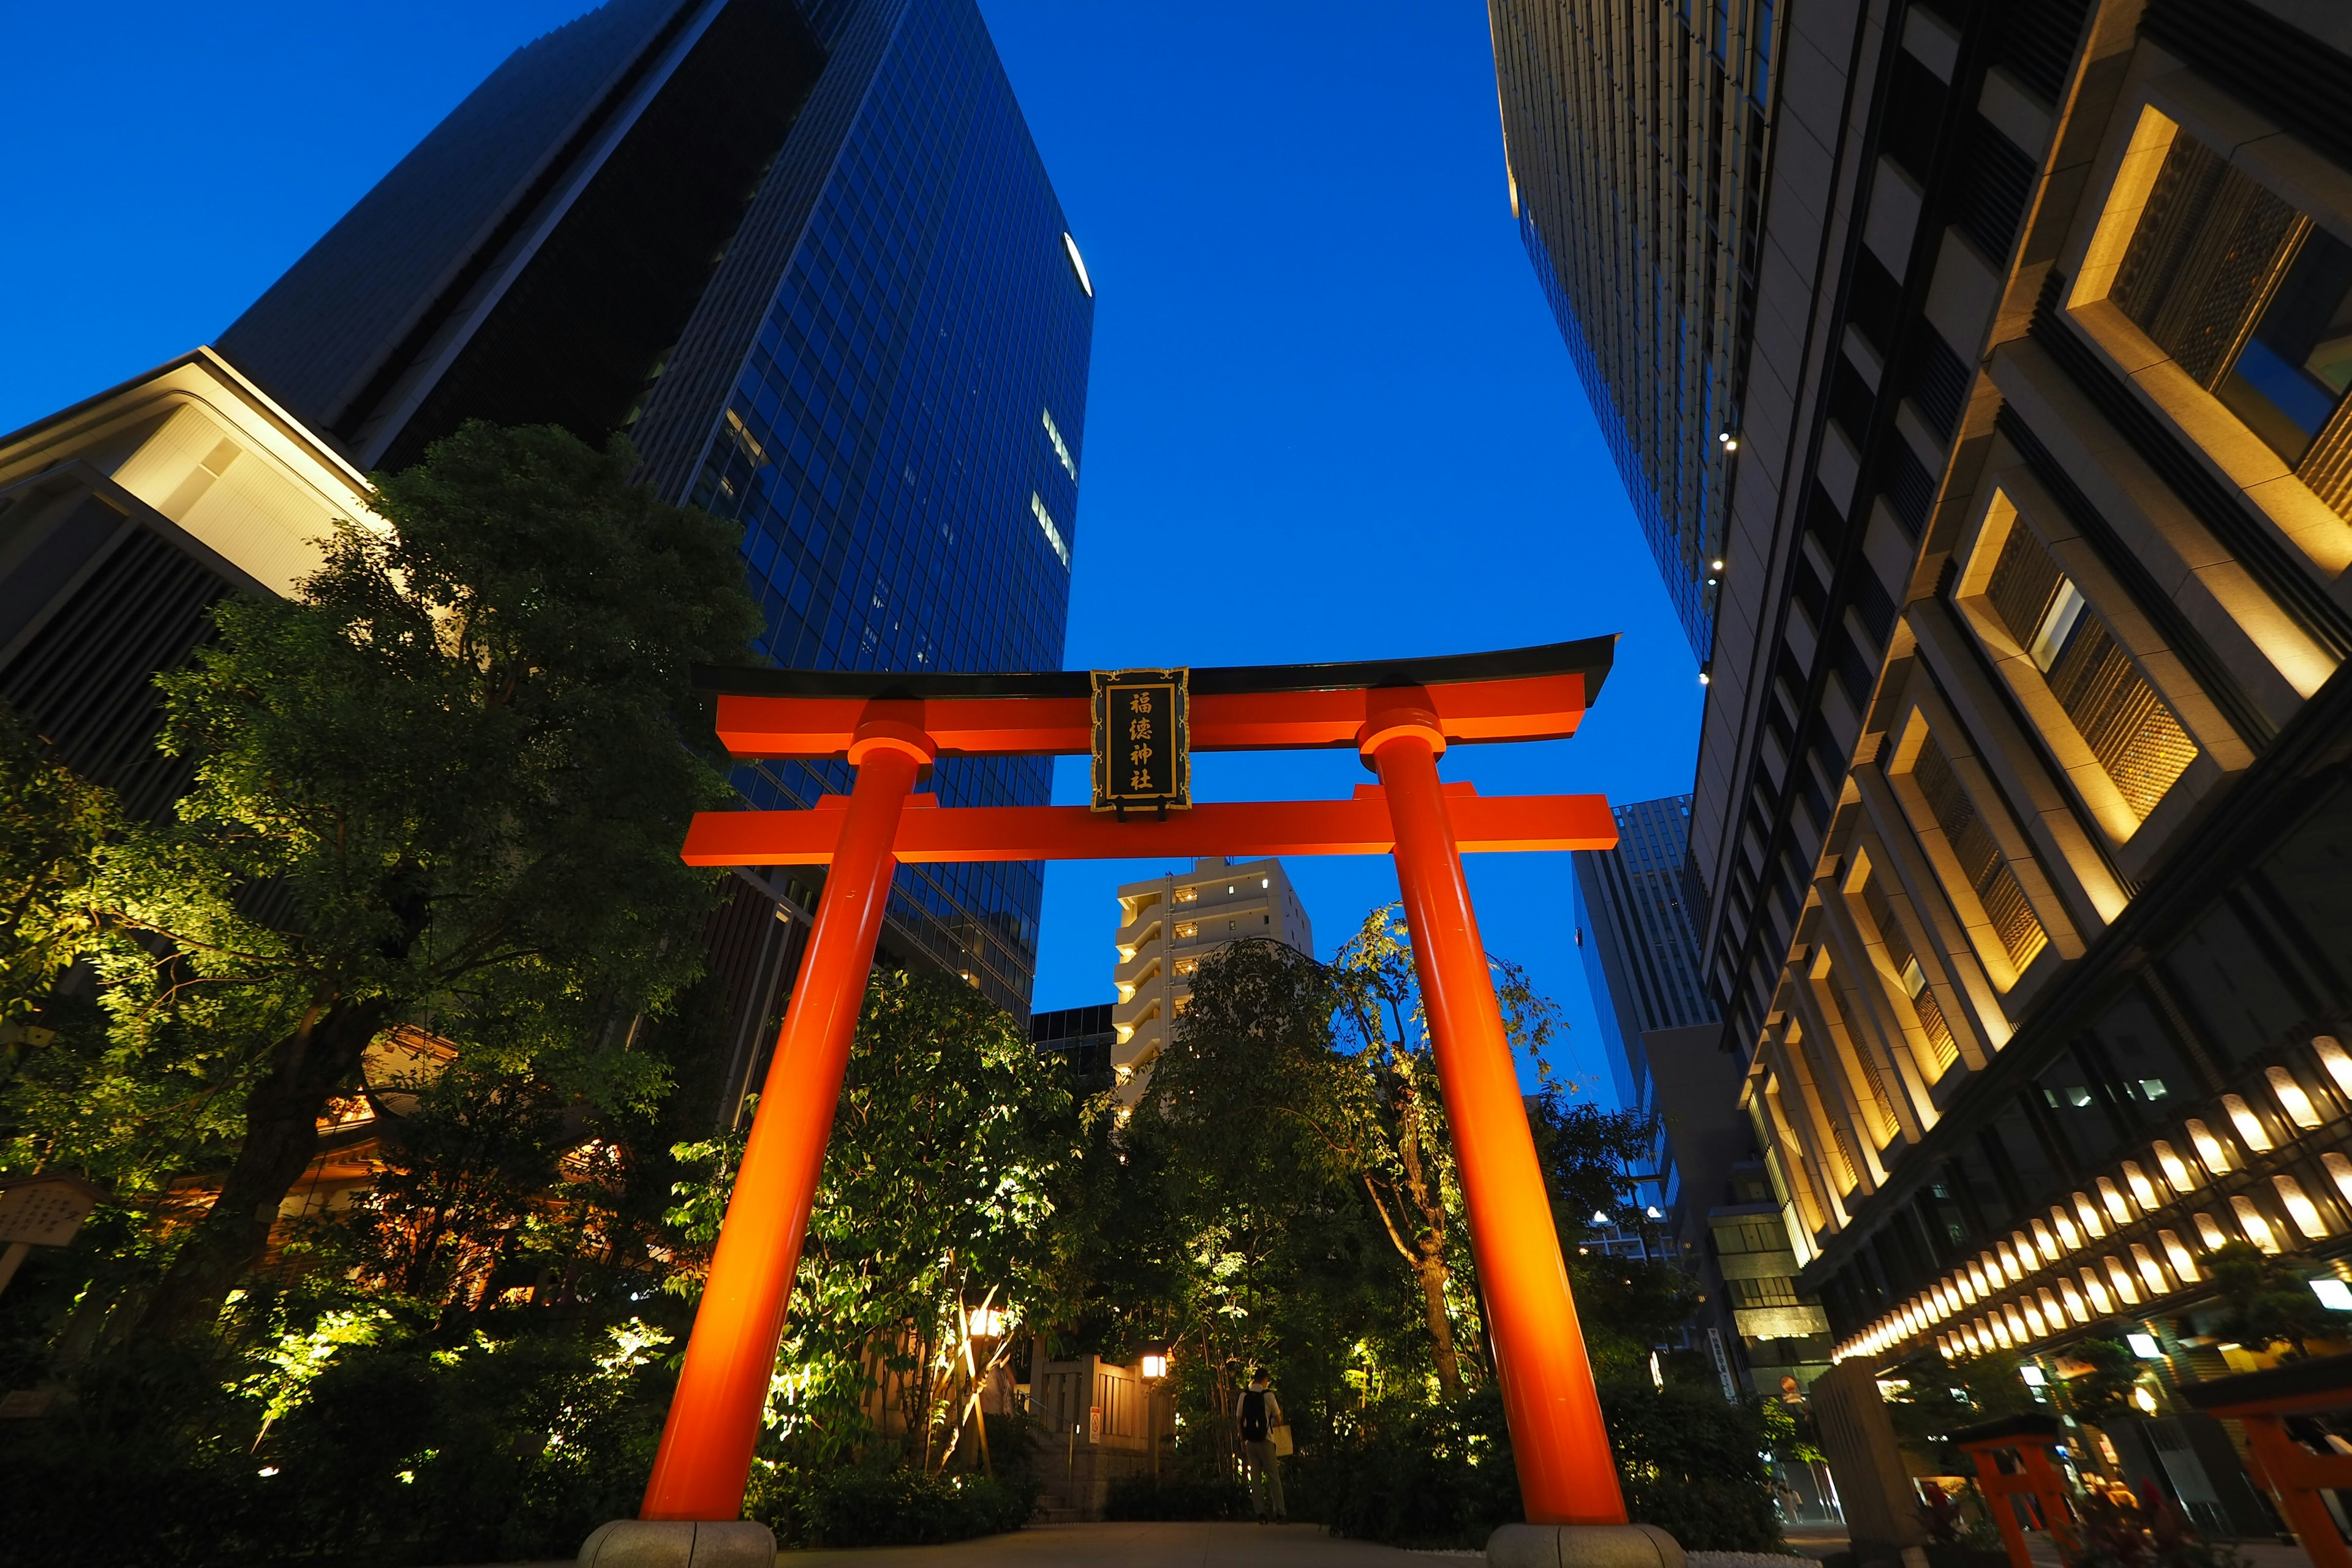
(1253, 1416)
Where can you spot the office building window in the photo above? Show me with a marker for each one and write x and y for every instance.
(2255, 301)
(1910, 978)
(2119, 714)
(1776, 1291)
(1862, 1075)
(1988, 879)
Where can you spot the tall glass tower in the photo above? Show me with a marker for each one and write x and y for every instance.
(1635, 137)
(1638, 936)
(807, 256)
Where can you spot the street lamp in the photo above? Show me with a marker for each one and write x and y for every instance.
(1153, 1364)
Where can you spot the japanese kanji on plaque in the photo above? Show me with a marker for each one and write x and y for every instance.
(1142, 756)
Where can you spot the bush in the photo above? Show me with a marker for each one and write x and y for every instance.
(145, 1463)
(1415, 1476)
(1691, 1463)
(396, 1454)
(1441, 1475)
(871, 1506)
(1176, 1496)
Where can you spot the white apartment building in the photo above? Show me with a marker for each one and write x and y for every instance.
(1168, 925)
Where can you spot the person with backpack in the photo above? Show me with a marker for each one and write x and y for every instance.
(1265, 1438)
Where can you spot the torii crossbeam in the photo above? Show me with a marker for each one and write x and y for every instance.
(1400, 717)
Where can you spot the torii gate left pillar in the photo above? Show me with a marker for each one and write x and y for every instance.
(1400, 727)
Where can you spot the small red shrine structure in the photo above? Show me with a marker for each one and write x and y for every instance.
(2293, 1472)
(2026, 1442)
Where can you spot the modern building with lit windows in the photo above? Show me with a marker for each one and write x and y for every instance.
(2022, 810)
(1168, 926)
(806, 256)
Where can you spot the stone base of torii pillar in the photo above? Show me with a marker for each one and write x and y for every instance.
(680, 1543)
(1583, 1546)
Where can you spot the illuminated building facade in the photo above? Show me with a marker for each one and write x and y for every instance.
(1636, 134)
(2023, 808)
(807, 259)
(123, 520)
(1168, 926)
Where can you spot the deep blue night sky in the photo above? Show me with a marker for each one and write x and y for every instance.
(1330, 416)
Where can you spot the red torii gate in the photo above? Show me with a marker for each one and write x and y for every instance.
(1401, 717)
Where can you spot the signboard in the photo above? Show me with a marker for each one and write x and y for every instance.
(45, 1211)
(1142, 743)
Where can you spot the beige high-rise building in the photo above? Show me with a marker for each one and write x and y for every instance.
(2022, 814)
(1168, 925)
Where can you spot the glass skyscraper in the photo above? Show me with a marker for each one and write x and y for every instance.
(1635, 137)
(808, 258)
(1638, 939)
(1635, 931)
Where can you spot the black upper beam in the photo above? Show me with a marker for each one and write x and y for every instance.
(1587, 657)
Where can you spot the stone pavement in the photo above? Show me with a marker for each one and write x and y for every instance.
(1208, 1545)
(1139, 1545)
(2260, 1553)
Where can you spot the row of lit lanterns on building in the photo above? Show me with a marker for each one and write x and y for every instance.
(1960, 1305)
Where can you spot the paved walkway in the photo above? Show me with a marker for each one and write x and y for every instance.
(2260, 1553)
(1139, 1545)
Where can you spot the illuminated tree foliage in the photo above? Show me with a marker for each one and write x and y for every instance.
(952, 1146)
(442, 786)
(52, 826)
(1285, 1193)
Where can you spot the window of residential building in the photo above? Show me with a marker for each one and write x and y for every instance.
(2253, 300)
(1749, 1236)
(1983, 871)
(2136, 739)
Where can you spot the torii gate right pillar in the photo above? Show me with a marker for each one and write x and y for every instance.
(1565, 1473)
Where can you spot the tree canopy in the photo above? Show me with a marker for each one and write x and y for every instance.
(1285, 1193)
(443, 785)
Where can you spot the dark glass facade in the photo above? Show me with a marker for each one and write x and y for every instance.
(1634, 932)
(903, 442)
(1639, 943)
(807, 258)
(1080, 1038)
(1636, 136)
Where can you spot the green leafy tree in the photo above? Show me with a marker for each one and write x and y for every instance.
(1590, 1158)
(1294, 1133)
(1244, 1162)
(1592, 1161)
(951, 1145)
(442, 785)
(2268, 1302)
(1400, 1149)
(469, 1176)
(1938, 1397)
(2102, 1393)
(53, 825)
